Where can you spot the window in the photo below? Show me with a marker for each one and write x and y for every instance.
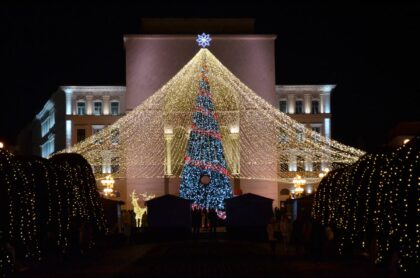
(316, 129)
(81, 134)
(300, 163)
(284, 167)
(115, 167)
(81, 108)
(316, 166)
(48, 147)
(48, 123)
(115, 136)
(299, 133)
(315, 107)
(283, 137)
(95, 130)
(115, 108)
(283, 106)
(299, 107)
(97, 108)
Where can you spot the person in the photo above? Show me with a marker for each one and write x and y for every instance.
(285, 227)
(271, 229)
(297, 236)
(196, 220)
(212, 215)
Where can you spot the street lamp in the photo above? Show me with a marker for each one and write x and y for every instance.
(108, 182)
(1, 145)
(324, 172)
(298, 182)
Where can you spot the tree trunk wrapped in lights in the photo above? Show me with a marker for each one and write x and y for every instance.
(205, 155)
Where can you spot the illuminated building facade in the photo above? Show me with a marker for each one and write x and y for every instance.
(310, 105)
(77, 112)
(72, 114)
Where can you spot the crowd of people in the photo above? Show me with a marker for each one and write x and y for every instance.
(204, 219)
(301, 237)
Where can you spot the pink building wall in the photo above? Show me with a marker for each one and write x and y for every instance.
(151, 60)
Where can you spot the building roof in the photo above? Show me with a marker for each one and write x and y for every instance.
(326, 88)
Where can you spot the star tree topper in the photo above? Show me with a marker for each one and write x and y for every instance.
(203, 40)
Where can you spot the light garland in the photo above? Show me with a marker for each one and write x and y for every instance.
(45, 197)
(376, 200)
(265, 140)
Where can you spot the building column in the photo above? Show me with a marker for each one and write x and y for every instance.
(308, 164)
(74, 105)
(325, 103)
(106, 105)
(168, 135)
(69, 99)
(292, 163)
(291, 103)
(307, 103)
(327, 128)
(234, 134)
(89, 105)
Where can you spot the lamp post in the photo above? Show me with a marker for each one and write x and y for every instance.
(324, 172)
(298, 182)
(108, 182)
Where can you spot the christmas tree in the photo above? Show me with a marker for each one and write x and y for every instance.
(205, 178)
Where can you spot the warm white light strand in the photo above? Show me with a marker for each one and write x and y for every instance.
(265, 145)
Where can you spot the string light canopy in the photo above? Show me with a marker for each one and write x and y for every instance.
(259, 141)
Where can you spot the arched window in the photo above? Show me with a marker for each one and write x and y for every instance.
(284, 191)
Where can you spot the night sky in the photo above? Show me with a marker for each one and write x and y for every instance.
(370, 52)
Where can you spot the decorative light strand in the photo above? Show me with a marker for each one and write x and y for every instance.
(266, 143)
(376, 201)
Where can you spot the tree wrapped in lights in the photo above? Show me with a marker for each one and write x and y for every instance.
(376, 201)
(205, 155)
(43, 203)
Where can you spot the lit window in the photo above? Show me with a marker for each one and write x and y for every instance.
(48, 123)
(81, 108)
(299, 107)
(115, 108)
(315, 107)
(97, 108)
(283, 106)
(48, 147)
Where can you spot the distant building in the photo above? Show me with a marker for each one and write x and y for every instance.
(72, 114)
(307, 104)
